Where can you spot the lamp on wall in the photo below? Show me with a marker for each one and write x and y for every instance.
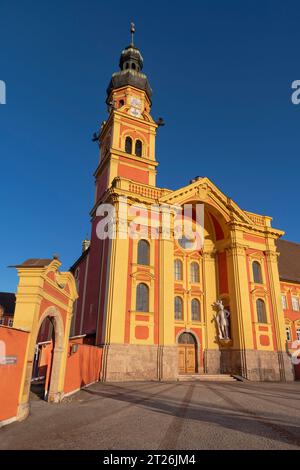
(74, 349)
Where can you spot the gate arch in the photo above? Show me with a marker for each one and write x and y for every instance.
(44, 292)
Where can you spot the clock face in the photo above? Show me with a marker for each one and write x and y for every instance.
(135, 112)
(135, 107)
(136, 103)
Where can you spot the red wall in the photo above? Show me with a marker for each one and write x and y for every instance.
(15, 342)
(83, 367)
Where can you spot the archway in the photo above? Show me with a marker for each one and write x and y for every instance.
(42, 360)
(187, 353)
(44, 292)
(55, 356)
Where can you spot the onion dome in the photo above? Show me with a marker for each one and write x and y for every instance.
(131, 64)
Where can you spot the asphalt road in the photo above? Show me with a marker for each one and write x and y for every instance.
(158, 416)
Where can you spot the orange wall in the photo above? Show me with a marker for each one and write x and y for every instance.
(10, 375)
(83, 367)
(135, 174)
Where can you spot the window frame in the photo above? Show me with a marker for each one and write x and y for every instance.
(128, 139)
(178, 262)
(178, 298)
(193, 302)
(260, 301)
(143, 303)
(194, 279)
(141, 148)
(259, 272)
(295, 297)
(143, 262)
(284, 303)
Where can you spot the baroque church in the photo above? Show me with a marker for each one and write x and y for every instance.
(150, 302)
(158, 307)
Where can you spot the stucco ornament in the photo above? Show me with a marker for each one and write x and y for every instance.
(222, 320)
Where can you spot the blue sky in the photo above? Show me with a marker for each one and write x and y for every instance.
(221, 74)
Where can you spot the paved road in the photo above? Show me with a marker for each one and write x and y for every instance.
(189, 415)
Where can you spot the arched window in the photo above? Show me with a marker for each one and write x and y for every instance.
(178, 270)
(142, 298)
(133, 66)
(143, 254)
(194, 272)
(178, 308)
(138, 148)
(196, 310)
(256, 268)
(261, 311)
(121, 103)
(128, 145)
(186, 338)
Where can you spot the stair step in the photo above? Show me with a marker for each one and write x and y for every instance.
(207, 377)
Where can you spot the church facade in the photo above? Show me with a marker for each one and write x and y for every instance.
(149, 300)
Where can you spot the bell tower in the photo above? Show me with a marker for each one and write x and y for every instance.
(127, 138)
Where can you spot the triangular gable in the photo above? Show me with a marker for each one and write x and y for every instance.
(203, 190)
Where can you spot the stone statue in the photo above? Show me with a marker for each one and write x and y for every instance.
(222, 320)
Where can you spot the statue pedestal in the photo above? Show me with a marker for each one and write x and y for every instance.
(225, 343)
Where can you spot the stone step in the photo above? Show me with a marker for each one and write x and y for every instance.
(206, 377)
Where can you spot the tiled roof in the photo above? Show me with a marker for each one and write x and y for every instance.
(34, 263)
(289, 260)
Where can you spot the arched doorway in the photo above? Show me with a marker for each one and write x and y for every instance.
(42, 361)
(54, 382)
(187, 354)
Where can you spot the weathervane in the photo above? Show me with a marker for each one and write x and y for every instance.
(132, 31)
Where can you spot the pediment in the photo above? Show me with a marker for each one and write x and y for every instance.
(204, 191)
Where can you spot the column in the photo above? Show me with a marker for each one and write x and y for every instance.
(241, 322)
(210, 347)
(285, 366)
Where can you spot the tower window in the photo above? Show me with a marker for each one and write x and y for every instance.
(133, 66)
(143, 255)
(195, 310)
(261, 311)
(257, 276)
(178, 270)
(128, 145)
(178, 308)
(127, 65)
(138, 148)
(195, 276)
(142, 298)
(121, 103)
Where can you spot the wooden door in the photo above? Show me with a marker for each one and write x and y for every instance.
(186, 359)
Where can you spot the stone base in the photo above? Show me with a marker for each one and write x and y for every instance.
(251, 364)
(269, 366)
(124, 362)
(55, 397)
(212, 361)
(23, 411)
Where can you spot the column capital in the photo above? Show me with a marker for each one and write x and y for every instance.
(209, 255)
(236, 249)
(272, 255)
